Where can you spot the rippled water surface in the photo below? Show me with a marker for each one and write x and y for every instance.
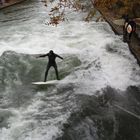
(98, 96)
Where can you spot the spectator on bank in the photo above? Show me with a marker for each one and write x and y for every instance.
(129, 28)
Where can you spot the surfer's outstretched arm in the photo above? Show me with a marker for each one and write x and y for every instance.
(44, 55)
(59, 56)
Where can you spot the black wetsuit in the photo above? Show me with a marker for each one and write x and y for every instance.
(126, 24)
(52, 56)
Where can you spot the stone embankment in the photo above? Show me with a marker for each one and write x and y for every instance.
(7, 3)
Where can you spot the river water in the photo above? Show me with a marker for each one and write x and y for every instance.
(98, 96)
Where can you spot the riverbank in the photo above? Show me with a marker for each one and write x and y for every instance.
(134, 45)
(4, 5)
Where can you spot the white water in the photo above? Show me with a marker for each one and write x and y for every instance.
(100, 68)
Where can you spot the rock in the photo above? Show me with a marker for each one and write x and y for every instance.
(120, 4)
(136, 9)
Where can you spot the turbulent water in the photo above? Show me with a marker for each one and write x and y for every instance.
(98, 96)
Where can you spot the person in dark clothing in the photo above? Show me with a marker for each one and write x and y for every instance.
(126, 20)
(129, 28)
(51, 63)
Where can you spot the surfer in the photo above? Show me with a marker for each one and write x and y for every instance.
(129, 28)
(51, 63)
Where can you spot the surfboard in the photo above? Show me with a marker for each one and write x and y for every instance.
(52, 82)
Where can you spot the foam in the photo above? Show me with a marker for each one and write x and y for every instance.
(100, 67)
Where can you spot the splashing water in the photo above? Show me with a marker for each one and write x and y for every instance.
(105, 61)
